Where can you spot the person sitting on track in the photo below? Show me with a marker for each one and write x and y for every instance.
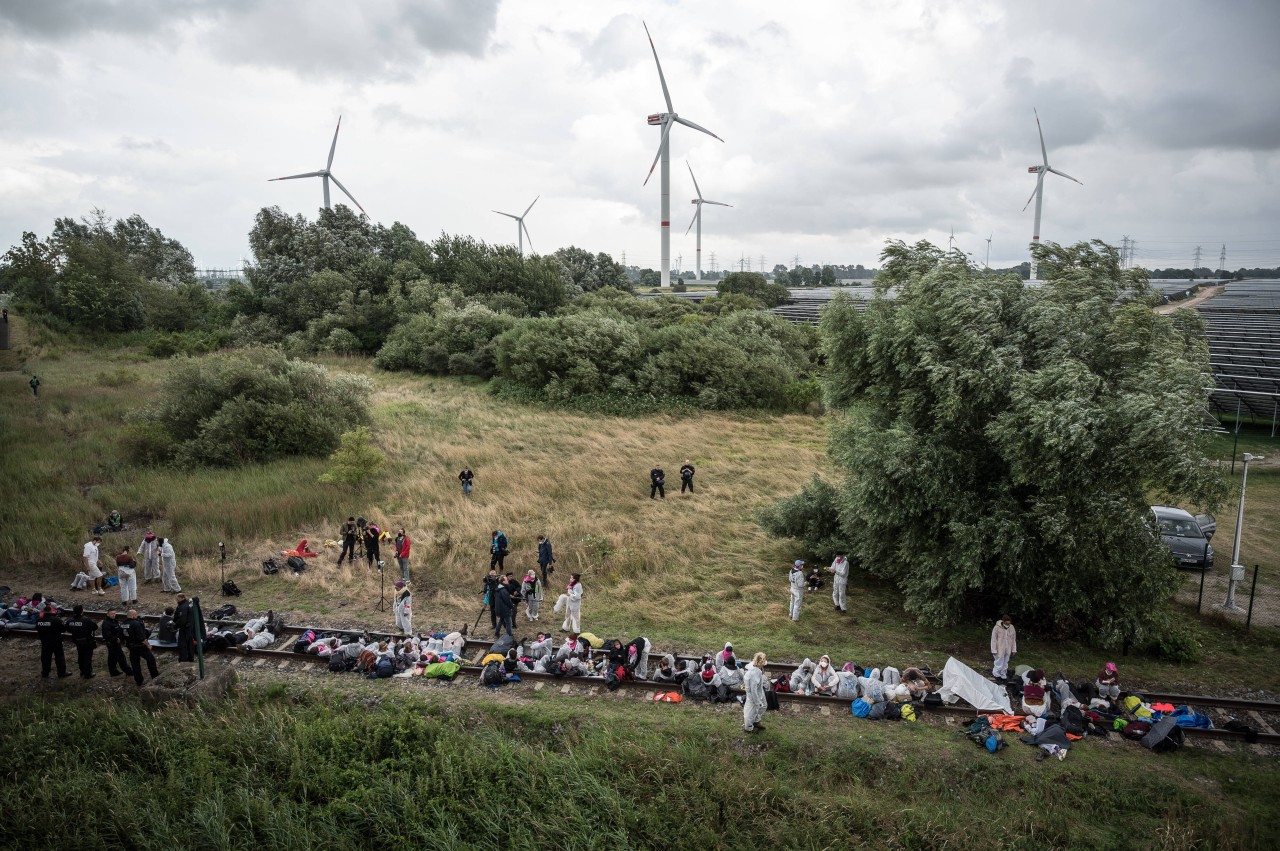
(823, 679)
(801, 682)
(731, 676)
(915, 681)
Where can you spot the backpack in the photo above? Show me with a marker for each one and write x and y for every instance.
(492, 674)
(296, 563)
(879, 711)
(1073, 720)
(770, 700)
(612, 681)
(340, 663)
(908, 712)
(782, 684)
(1136, 729)
(270, 567)
(384, 668)
(932, 699)
(222, 612)
(229, 589)
(860, 708)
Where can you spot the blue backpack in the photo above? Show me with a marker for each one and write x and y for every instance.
(860, 708)
(385, 668)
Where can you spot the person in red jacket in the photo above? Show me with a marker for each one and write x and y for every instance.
(402, 554)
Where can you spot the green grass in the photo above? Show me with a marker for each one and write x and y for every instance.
(284, 768)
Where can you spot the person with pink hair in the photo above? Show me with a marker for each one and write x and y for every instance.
(1108, 682)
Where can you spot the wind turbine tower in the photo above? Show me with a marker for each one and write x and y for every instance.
(987, 264)
(522, 230)
(666, 120)
(697, 217)
(1037, 194)
(325, 174)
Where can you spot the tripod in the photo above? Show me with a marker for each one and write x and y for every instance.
(382, 582)
(477, 623)
(222, 548)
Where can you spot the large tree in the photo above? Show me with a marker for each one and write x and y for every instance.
(1002, 441)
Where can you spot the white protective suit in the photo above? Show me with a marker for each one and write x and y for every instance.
(797, 591)
(800, 678)
(840, 567)
(150, 552)
(754, 707)
(1004, 643)
(824, 678)
(403, 607)
(169, 561)
(573, 609)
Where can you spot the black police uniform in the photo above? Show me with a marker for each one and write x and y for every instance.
(82, 630)
(50, 628)
(136, 635)
(113, 636)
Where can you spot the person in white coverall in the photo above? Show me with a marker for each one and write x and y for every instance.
(840, 567)
(754, 706)
(149, 549)
(797, 588)
(573, 606)
(169, 564)
(1004, 643)
(402, 605)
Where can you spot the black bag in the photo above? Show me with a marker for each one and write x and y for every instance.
(1237, 726)
(229, 589)
(340, 663)
(770, 700)
(932, 700)
(222, 612)
(1073, 720)
(492, 674)
(296, 563)
(502, 645)
(270, 566)
(611, 681)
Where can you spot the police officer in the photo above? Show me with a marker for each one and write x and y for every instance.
(186, 637)
(136, 635)
(50, 628)
(113, 636)
(82, 630)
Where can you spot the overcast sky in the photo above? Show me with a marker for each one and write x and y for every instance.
(845, 123)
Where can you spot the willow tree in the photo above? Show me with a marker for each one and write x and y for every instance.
(1002, 442)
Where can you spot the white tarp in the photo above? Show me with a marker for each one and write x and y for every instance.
(961, 681)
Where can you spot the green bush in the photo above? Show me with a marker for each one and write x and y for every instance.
(356, 461)
(450, 341)
(591, 352)
(811, 516)
(251, 406)
(118, 377)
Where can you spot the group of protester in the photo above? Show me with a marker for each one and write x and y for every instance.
(800, 583)
(503, 593)
(160, 564)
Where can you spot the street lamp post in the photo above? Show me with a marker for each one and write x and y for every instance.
(1237, 569)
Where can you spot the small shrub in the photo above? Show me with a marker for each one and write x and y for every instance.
(811, 516)
(356, 460)
(146, 443)
(118, 377)
(1177, 644)
(804, 396)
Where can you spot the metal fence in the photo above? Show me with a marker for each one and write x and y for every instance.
(1253, 598)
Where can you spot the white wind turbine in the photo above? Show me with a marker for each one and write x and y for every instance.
(325, 174)
(1038, 193)
(668, 120)
(521, 229)
(697, 216)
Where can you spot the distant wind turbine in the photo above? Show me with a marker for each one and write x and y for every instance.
(987, 264)
(326, 175)
(1037, 194)
(697, 216)
(667, 120)
(521, 229)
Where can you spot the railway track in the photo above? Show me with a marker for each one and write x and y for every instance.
(475, 649)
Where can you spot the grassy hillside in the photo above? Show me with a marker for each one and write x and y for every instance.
(690, 572)
(285, 769)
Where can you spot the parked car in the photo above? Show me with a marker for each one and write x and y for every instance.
(1186, 537)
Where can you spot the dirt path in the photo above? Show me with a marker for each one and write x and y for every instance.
(1202, 296)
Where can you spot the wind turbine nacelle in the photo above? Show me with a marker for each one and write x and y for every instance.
(656, 118)
(1035, 169)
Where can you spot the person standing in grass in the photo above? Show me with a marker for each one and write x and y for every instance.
(497, 549)
(546, 557)
(657, 482)
(49, 628)
(1004, 643)
(82, 630)
(169, 565)
(531, 591)
(127, 576)
(465, 477)
(402, 554)
(372, 554)
(35, 386)
(573, 606)
(183, 619)
(797, 588)
(136, 635)
(840, 567)
(349, 532)
(403, 607)
(149, 549)
(89, 557)
(686, 476)
(753, 707)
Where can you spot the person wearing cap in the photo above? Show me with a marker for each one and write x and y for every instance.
(1108, 682)
(50, 628)
(115, 521)
(839, 567)
(1004, 643)
(753, 707)
(82, 629)
(149, 549)
(797, 588)
(113, 636)
(402, 604)
(657, 482)
(89, 557)
(686, 476)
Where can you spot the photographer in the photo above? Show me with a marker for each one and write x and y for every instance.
(348, 533)
(504, 610)
(491, 583)
(371, 554)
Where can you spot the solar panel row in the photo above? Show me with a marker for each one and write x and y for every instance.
(1243, 326)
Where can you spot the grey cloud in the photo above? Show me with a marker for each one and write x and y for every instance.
(129, 143)
(62, 19)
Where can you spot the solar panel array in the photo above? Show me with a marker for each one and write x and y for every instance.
(1243, 325)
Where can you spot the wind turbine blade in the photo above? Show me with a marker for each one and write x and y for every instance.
(666, 131)
(348, 194)
(508, 215)
(695, 180)
(687, 123)
(665, 94)
(1033, 196)
(296, 176)
(334, 146)
(1064, 174)
(1044, 153)
(526, 234)
(717, 203)
(530, 207)
(696, 213)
